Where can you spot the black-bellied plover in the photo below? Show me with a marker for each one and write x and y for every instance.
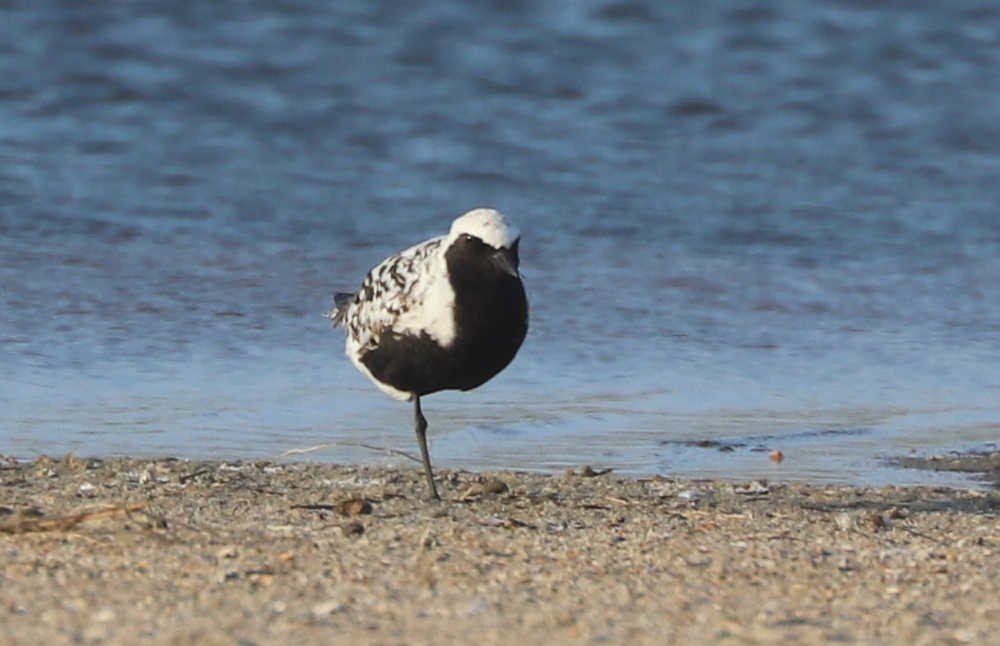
(446, 314)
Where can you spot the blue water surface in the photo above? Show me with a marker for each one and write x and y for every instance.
(776, 226)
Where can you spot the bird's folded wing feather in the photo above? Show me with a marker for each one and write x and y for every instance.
(390, 290)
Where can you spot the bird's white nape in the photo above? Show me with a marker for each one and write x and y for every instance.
(489, 225)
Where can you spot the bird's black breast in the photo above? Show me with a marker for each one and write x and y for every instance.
(411, 363)
(491, 313)
(491, 321)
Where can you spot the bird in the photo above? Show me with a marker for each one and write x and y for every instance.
(448, 313)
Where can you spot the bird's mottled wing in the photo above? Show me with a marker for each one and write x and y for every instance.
(388, 292)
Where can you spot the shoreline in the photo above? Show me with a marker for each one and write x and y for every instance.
(171, 551)
(982, 465)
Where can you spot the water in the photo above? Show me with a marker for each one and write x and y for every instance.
(775, 226)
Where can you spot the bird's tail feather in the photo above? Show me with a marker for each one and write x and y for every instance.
(341, 301)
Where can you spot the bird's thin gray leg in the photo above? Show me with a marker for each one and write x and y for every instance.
(421, 427)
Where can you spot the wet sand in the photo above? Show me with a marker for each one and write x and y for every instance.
(124, 551)
(984, 465)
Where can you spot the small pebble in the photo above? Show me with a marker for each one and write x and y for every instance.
(352, 529)
(692, 494)
(485, 487)
(755, 488)
(354, 507)
(848, 564)
(873, 520)
(326, 608)
(587, 471)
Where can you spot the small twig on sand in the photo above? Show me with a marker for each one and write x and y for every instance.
(22, 523)
(363, 445)
(194, 474)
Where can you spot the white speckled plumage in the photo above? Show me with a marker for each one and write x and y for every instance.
(404, 294)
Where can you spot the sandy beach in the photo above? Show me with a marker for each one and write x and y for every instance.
(124, 551)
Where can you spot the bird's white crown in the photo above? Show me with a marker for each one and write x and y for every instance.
(489, 225)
